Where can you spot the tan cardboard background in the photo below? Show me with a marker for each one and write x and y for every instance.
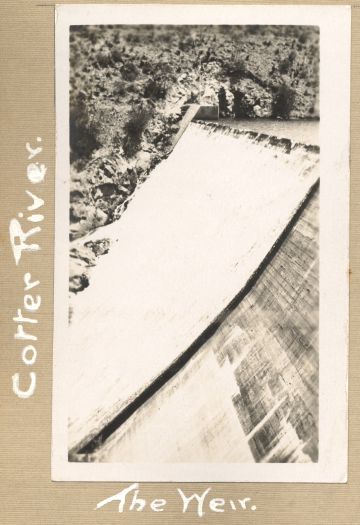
(27, 494)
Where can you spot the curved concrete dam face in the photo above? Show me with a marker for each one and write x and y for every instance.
(197, 338)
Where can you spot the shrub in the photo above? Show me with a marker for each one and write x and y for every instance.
(104, 59)
(80, 30)
(303, 38)
(193, 98)
(155, 89)
(240, 107)
(254, 29)
(84, 132)
(119, 88)
(165, 37)
(235, 69)
(283, 102)
(292, 56)
(133, 130)
(186, 44)
(129, 72)
(116, 54)
(164, 70)
(92, 35)
(133, 38)
(284, 66)
(223, 103)
(147, 66)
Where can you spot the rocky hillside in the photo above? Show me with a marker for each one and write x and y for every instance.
(129, 87)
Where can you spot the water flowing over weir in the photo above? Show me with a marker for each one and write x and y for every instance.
(197, 338)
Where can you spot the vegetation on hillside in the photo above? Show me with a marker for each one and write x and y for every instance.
(129, 86)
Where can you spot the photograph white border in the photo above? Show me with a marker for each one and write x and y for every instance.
(334, 23)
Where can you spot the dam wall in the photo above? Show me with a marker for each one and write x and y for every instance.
(250, 394)
(190, 243)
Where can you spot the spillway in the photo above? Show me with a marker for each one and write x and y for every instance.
(178, 303)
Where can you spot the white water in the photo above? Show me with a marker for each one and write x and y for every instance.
(302, 131)
(188, 242)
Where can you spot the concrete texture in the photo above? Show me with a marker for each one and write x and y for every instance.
(251, 392)
(197, 230)
(208, 112)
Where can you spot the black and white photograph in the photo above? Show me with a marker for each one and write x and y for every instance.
(201, 244)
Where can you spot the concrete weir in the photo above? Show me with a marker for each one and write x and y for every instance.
(197, 338)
